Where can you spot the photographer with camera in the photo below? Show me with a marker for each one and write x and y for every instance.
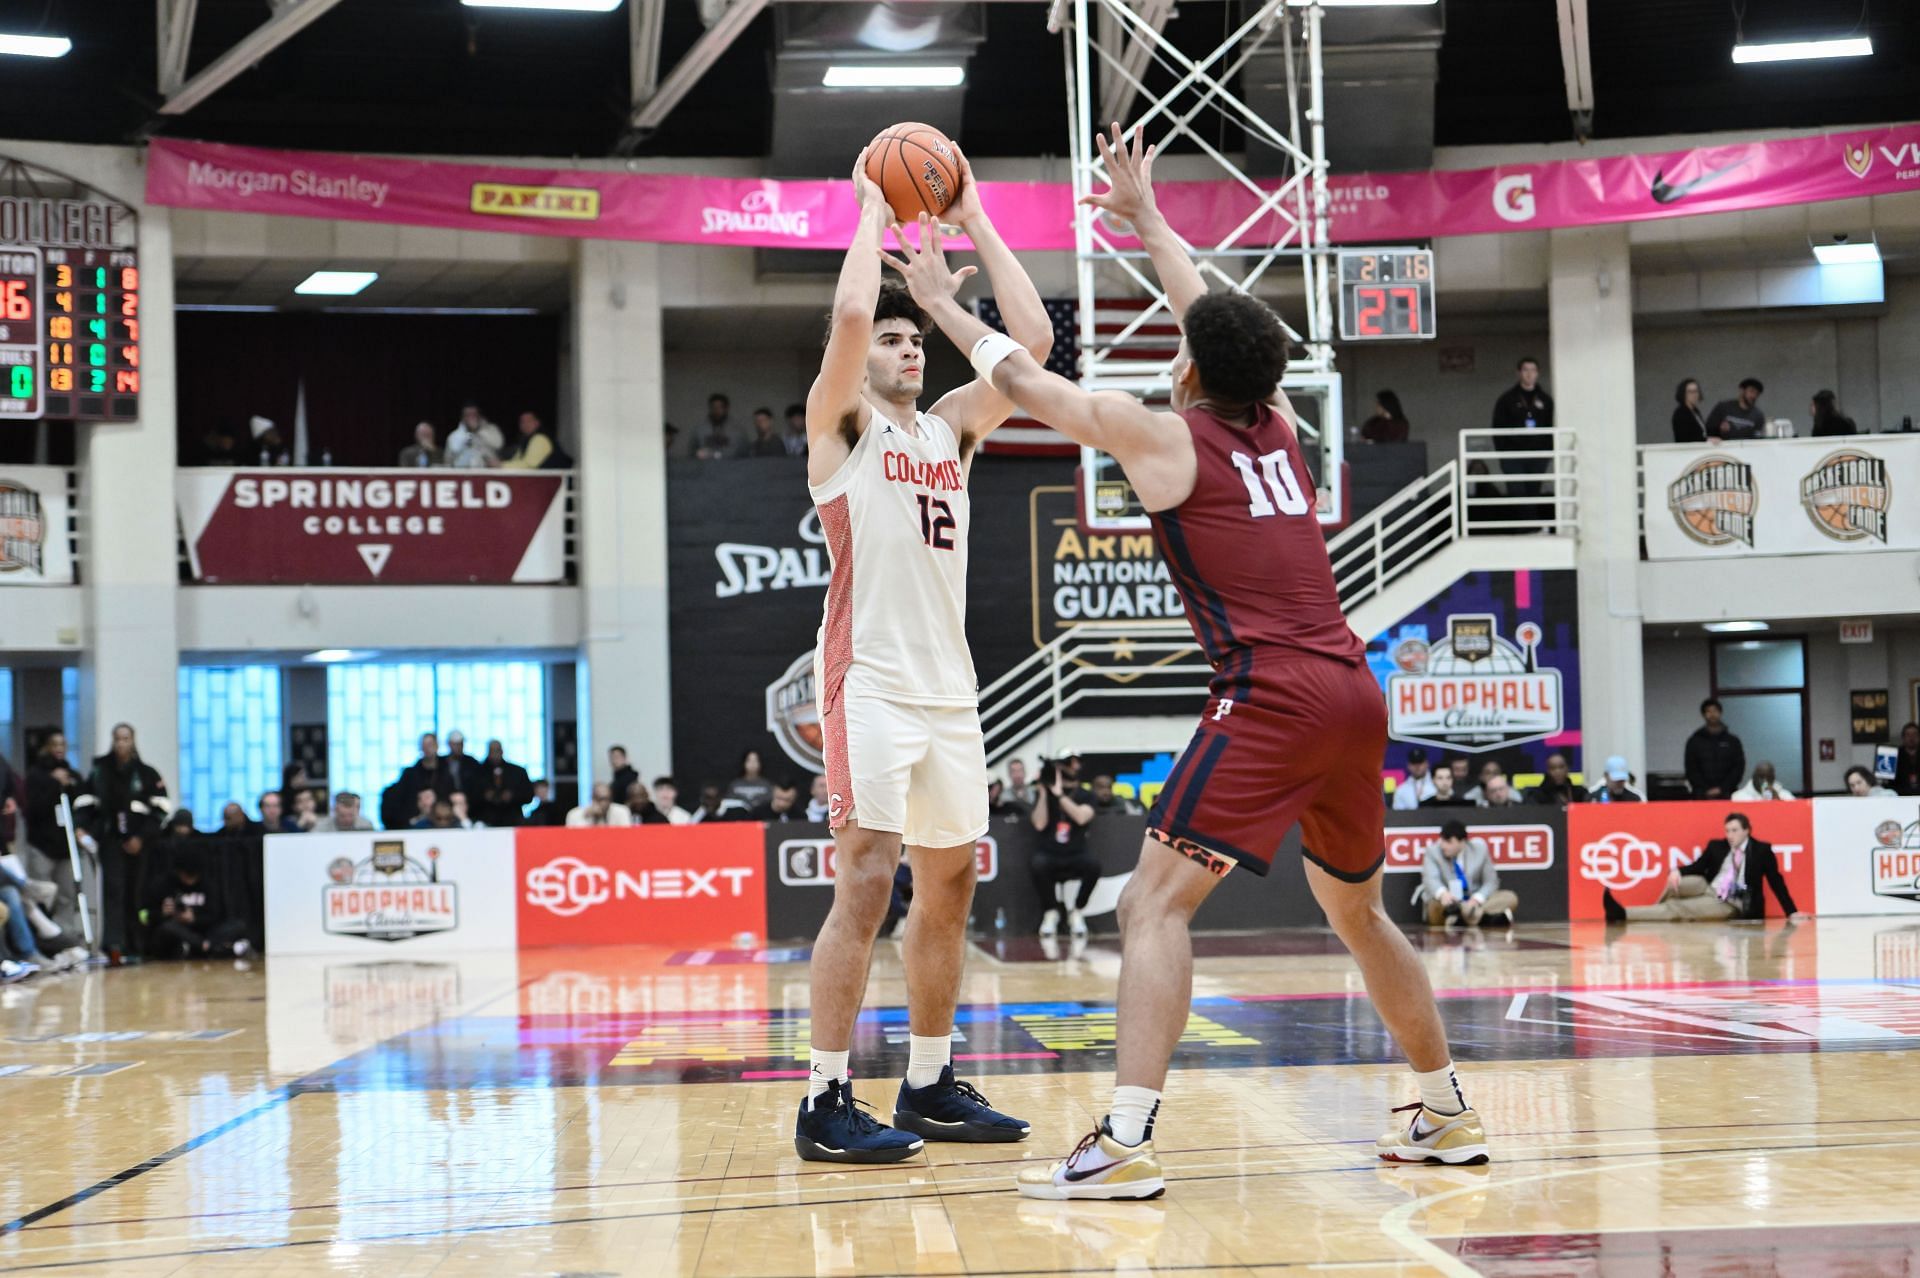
(1062, 811)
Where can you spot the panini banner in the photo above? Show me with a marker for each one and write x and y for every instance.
(1782, 497)
(364, 527)
(35, 547)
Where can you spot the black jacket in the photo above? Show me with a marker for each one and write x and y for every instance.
(116, 787)
(505, 789)
(1688, 426)
(1906, 772)
(1512, 409)
(1547, 793)
(43, 804)
(1761, 865)
(1730, 421)
(468, 780)
(1715, 761)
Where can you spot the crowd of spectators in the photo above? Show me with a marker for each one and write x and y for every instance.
(721, 439)
(1741, 417)
(472, 443)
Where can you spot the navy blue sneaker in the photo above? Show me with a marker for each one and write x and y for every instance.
(953, 1110)
(836, 1128)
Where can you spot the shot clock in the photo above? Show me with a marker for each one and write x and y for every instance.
(1386, 294)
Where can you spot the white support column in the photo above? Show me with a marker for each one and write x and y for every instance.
(618, 380)
(129, 670)
(1590, 313)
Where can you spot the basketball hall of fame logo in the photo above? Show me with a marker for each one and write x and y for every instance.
(1895, 860)
(793, 714)
(1473, 689)
(1847, 496)
(23, 529)
(388, 896)
(1714, 501)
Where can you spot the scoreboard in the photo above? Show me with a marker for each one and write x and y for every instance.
(69, 303)
(22, 380)
(1386, 294)
(92, 305)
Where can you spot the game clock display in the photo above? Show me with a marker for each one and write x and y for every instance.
(1386, 294)
(22, 385)
(91, 301)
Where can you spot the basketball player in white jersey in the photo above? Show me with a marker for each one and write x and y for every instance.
(895, 682)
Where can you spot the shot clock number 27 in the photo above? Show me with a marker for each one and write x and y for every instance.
(1386, 294)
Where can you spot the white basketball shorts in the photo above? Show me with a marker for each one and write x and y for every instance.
(916, 771)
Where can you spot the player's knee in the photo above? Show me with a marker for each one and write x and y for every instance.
(1143, 904)
(863, 887)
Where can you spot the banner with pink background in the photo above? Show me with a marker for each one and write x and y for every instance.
(762, 212)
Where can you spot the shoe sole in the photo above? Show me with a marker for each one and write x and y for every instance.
(1465, 1156)
(814, 1152)
(961, 1133)
(1134, 1190)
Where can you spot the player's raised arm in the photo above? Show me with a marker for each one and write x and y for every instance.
(835, 397)
(1120, 424)
(1129, 197)
(976, 408)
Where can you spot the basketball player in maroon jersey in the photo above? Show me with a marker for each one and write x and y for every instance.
(1294, 727)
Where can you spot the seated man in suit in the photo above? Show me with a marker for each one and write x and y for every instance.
(1724, 883)
(1457, 880)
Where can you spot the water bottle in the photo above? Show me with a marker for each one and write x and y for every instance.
(326, 457)
(266, 457)
(1000, 921)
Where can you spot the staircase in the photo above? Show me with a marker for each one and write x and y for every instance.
(1509, 502)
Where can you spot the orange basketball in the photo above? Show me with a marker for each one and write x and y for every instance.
(916, 168)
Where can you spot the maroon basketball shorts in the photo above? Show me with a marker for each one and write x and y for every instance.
(1285, 737)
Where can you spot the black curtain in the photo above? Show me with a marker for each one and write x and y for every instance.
(369, 378)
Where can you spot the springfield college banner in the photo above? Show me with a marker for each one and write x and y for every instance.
(355, 527)
(1783, 497)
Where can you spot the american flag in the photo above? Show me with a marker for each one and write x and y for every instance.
(1064, 314)
(1154, 343)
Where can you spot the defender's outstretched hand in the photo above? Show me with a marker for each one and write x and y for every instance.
(925, 269)
(1129, 161)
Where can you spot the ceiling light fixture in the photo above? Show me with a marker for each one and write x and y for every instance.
(570, 6)
(33, 46)
(1734, 627)
(1846, 254)
(1804, 50)
(335, 283)
(1374, 4)
(331, 655)
(895, 77)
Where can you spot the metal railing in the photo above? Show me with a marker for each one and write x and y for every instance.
(1504, 483)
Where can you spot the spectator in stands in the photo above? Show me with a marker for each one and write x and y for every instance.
(1906, 763)
(269, 447)
(782, 805)
(13, 798)
(190, 919)
(424, 451)
(428, 772)
(1418, 786)
(1740, 417)
(545, 811)
(1689, 424)
(423, 803)
(1715, 759)
(293, 778)
(715, 443)
(1523, 406)
(1108, 801)
(502, 789)
(601, 809)
(716, 806)
(1827, 417)
(819, 797)
(18, 898)
(461, 770)
(1862, 784)
(305, 817)
(273, 817)
(345, 816)
(128, 800)
(1762, 785)
(640, 803)
(441, 816)
(1444, 795)
(1618, 788)
(666, 797)
(1458, 881)
(750, 789)
(1389, 424)
(1558, 788)
(234, 822)
(1723, 882)
(51, 776)
(621, 774)
(1061, 816)
(1489, 769)
(217, 446)
(1019, 789)
(764, 443)
(533, 448)
(1498, 793)
(476, 442)
(179, 825)
(1003, 811)
(796, 437)
(463, 811)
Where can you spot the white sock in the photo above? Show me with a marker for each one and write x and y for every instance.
(927, 1055)
(827, 1067)
(1440, 1090)
(1132, 1113)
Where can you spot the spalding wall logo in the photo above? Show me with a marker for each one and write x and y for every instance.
(1474, 689)
(759, 213)
(793, 714)
(1895, 860)
(748, 570)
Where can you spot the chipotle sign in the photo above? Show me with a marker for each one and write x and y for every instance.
(345, 527)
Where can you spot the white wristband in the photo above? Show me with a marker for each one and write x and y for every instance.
(989, 351)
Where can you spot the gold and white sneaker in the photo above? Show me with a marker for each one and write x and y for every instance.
(1098, 1167)
(1435, 1138)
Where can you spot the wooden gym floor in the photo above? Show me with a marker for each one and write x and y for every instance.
(1698, 1099)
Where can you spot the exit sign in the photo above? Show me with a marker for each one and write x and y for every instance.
(1857, 631)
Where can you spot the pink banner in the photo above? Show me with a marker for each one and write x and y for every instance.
(762, 212)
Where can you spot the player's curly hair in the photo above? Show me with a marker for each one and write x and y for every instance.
(1238, 346)
(894, 302)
